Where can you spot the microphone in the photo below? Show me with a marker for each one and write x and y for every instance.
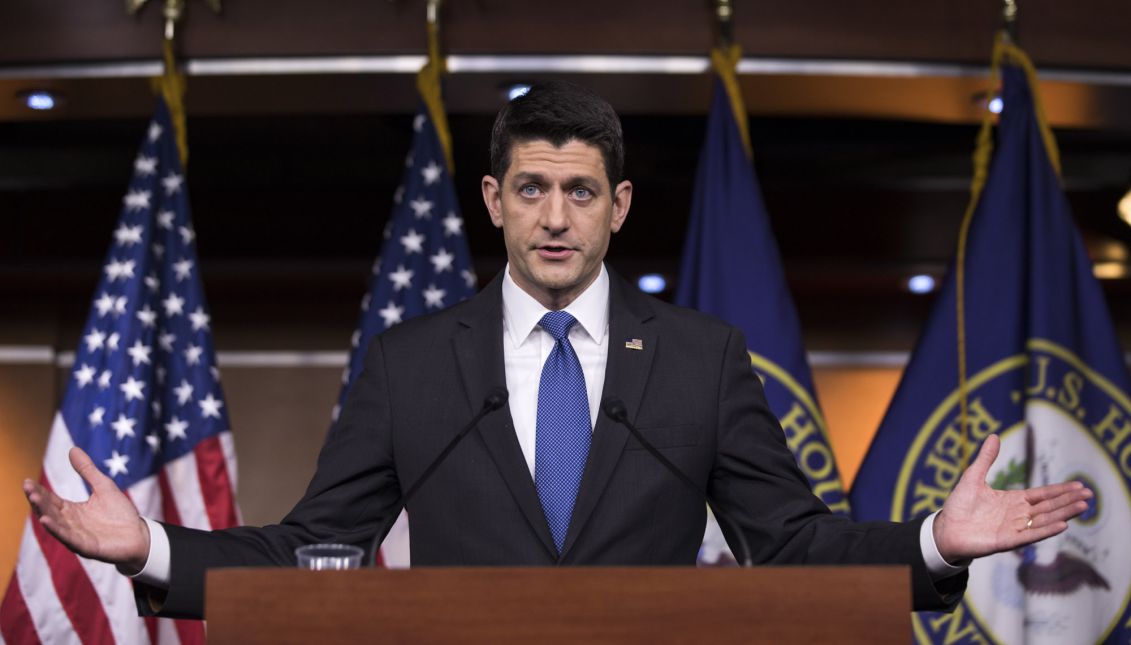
(495, 399)
(615, 409)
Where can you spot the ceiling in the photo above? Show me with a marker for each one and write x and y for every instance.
(862, 119)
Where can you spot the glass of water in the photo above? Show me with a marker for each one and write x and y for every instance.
(320, 557)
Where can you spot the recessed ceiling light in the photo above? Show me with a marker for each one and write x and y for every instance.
(652, 283)
(1109, 270)
(41, 100)
(1125, 208)
(921, 283)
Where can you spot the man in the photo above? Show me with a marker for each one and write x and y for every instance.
(548, 480)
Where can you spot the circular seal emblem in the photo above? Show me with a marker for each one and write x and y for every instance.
(1058, 420)
(805, 431)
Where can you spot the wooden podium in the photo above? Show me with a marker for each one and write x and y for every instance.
(561, 605)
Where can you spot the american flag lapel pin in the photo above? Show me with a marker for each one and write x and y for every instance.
(634, 343)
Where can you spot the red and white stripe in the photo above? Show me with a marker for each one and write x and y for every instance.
(57, 597)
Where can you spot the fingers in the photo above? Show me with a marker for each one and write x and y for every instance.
(1048, 517)
(1061, 508)
(1053, 491)
(47, 506)
(42, 500)
(86, 469)
(1064, 495)
(986, 456)
(1038, 533)
(1060, 515)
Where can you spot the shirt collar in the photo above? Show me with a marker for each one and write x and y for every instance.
(521, 312)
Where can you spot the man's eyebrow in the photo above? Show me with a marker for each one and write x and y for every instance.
(538, 178)
(524, 177)
(584, 180)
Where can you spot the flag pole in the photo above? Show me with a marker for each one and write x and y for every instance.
(428, 83)
(171, 84)
(725, 57)
(1005, 50)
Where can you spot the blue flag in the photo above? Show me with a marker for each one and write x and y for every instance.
(144, 401)
(731, 269)
(1043, 371)
(424, 264)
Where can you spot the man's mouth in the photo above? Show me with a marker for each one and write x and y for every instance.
(554, 252)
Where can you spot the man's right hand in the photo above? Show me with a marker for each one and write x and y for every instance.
(105, 527)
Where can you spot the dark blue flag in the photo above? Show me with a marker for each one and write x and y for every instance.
(731, 269)
(1043, 370)
(144, 401)
(424, 264)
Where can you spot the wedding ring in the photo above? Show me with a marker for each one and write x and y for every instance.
(1029, 524)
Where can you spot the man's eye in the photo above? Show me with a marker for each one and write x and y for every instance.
(529, 190)
(580, 192)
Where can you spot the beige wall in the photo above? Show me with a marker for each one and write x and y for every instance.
(280, 415)
(27, 402)
(854, 400)
(279, 418)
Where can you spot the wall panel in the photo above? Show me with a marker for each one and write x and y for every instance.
(27, 402)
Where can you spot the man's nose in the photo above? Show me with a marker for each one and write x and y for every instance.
(555, 215)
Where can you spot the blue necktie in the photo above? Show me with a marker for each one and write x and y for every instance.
(561, 444)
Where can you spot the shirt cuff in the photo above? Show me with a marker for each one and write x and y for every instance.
(937, 566)
(156, 570)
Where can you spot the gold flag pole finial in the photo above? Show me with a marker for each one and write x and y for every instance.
(724, 18)
(173, 11)
(435, 57)
(434, 12)
(1009, 18)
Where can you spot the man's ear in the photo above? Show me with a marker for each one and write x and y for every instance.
(492, 197)
(622, 199)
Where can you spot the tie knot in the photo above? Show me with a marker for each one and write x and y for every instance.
(557, 324)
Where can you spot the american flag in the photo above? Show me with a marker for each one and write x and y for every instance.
(424, 266)
(144, 401)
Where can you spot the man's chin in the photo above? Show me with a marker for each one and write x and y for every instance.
(558, 279)
(557, 283)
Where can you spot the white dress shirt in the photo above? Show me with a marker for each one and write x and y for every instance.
(525, 348)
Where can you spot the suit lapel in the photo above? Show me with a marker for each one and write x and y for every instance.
(626, 374)
(479, 351)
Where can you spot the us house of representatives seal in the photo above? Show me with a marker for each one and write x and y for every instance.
(1058, 420)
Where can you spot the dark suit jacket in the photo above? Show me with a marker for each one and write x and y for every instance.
(690, 390)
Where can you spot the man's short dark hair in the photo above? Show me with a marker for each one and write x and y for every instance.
(558, 112)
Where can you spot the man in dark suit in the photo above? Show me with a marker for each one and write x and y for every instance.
(548, 480)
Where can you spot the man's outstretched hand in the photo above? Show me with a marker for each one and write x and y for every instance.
(977, 520)
(105, 527)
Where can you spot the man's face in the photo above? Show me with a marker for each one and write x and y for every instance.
(557, 212)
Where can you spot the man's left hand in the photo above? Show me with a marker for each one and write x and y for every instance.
(977, 520)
